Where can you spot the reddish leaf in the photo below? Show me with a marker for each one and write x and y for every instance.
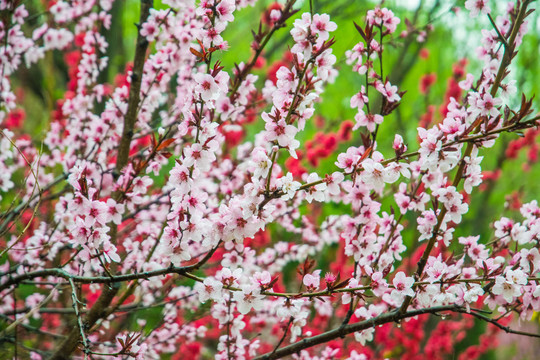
(164, 144)
(196, 53)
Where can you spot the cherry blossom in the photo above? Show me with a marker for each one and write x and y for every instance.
(402, 287)
(370, 121)
(288, 186)
(509, 286)
(209, 289)
(216, 194)
(315, 192)
(312, 281)
(249, 297)
(477, 6)
(388, 90)
(207, 86)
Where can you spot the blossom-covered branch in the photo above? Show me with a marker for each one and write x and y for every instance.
(203, 203)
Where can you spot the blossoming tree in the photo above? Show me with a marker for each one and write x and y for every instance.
(139, 225)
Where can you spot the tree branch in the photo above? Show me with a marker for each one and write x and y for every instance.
(341, 331)
(135, 90)
(94, 279)
(507, 58)
(69, 345)
(391, 316)
(500, 326)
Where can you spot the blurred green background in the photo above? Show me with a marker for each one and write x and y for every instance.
(454, 36)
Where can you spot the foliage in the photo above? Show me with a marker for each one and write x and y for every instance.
(243, 179)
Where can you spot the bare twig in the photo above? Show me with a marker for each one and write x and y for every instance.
(20, 320)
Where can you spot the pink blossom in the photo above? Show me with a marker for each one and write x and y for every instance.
(333, 181)
(389, 91)
(225, 10)
(368, 120)
(288, 186)
(249, 297)
(109, 252)
(315, 192)
(312, 281)
(360, 99)
(283, 133)
(207, 86)
(477, 6)
(209, 289)
(322, 26)
(487, 105)
(510, 286)
(402, 287)
(196, 186)
(378, 283)
(262, 278)
(150, 30)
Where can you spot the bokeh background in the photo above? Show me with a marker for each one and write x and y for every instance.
(438, 52)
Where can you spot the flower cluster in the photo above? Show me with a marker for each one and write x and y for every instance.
(186, 184)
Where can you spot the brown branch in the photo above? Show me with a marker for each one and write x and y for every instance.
(392, 316)
(94, 279)
(507, 58)
(31, 328)
(80, 326)
(468, 139)
(204, 260)
(500, 326)
(134, 90)
(8, 216)
(239, 78)
(120, 309)
(341, 331)
(21, 319)
(286, 330)
(69, 345)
